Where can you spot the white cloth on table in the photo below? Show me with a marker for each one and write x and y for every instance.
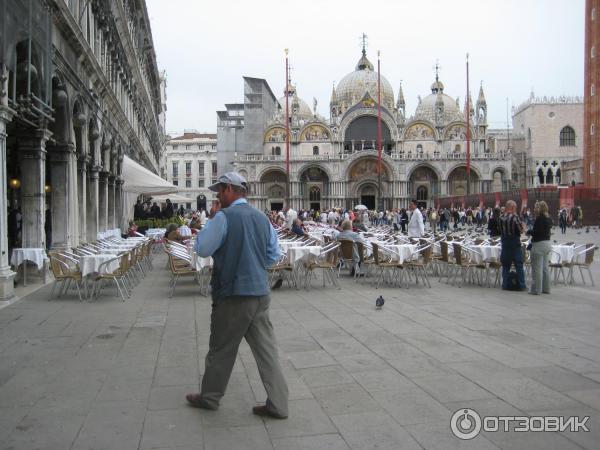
(401, 252)
(285, 245)
(89, 264)
(35, 255)
(485, 253)
(566, 252)
(299, 252)
(156, 233)
(116, 232)
(200, 262)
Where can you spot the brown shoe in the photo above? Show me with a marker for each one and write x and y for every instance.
(197, 401)
(265, 411)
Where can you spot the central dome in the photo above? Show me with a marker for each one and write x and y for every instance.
(427, 107)
(352, 88)
(302, 109)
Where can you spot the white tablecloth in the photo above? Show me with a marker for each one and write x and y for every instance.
(566, 253)
(401, 252)
(285, 245)
(297, 253)
(109, 233)
(91, 264)
(485, 253)
(155, 233)
(200, 263)
(35, 255)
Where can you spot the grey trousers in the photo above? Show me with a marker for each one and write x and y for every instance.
(540, 268)
(232, 319)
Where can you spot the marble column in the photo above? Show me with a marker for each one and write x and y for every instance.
(82, 197)
(110, 221)
(103, 202)
(61, 159)
(119, 205)
(6, 274)
(32, 160)
(93, 189)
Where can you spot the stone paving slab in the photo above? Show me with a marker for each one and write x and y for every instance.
(113, 375)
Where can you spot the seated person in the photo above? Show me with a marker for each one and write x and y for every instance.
(172, 234)
(132, 231)
(297, 228)
(358, 225)
(350, 235)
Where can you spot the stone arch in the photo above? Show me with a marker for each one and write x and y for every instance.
(270, 169)
(360, 112)
(457, 180)
(474, 170)
(308, 165)
(371, 170)
(424, 176)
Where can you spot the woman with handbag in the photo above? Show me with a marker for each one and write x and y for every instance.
(541, 248)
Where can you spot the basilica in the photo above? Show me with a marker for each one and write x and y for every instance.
(334, 161)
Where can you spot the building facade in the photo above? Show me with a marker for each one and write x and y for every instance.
(333, 161)
(190, 162)
(591, 135)
(80, 89)
(547, 132)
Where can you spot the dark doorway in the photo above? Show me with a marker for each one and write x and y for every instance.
(421, 204)
(276, 206)
(315, 206)
(201, 202)
(368, 201)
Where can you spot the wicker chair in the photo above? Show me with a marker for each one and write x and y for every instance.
(118, 275)
(64, 273)
(588, 259)
(421, 261)
(285, 269)
(463, 264)
(327, 261)
(382, 264)
(347, 255)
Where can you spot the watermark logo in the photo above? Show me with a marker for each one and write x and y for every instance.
(466, 423)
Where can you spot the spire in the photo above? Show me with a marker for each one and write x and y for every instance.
(437, 87)
(363, 62)
(400, 103)
(481, 98)
(333, 96)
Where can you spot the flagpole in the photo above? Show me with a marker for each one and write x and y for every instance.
(468, 116)
(287, 131)
(379, 197)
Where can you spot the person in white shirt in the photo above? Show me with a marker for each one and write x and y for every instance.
(416, 228)
(290, 216)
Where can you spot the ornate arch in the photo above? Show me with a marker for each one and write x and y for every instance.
(417, 166)
(455, 131)
(268, 169)
(275, 133)
(354, 173)
(308, 165)
(386, 162)
(419, 130)
(357, 187)
(385, 118)
(315, 132)
(462, 164)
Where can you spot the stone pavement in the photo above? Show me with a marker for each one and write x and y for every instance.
(113, 375)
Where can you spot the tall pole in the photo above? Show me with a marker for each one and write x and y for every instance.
(468, 115)
(287, 130)
(379, 197)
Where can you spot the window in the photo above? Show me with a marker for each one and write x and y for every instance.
(201, 182)
(188, 206)
(214, 169)
(175, 169)
(567, 137)
(188, 147)
(175, 147)
(315, 150)
(175, 183)
(276, 151)
(188, 169)
(200, 169)
(528, 137)
(314, 194)
(419, 149)
(188, 183)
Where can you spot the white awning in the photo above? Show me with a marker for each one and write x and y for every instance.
(140, 180)
(175, 198)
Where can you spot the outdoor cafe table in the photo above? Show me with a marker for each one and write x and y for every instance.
(35, 255)
(299, 252)
(485, 253)
(401, 252)
(90, 264)
(566, 252)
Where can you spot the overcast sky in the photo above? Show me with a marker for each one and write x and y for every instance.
(206, 47)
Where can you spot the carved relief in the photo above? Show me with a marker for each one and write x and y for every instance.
(275, 135)
(456, 132)
(314, 133)
(364, 168)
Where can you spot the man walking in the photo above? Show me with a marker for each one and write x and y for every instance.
(416, 228)
(243, 245)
